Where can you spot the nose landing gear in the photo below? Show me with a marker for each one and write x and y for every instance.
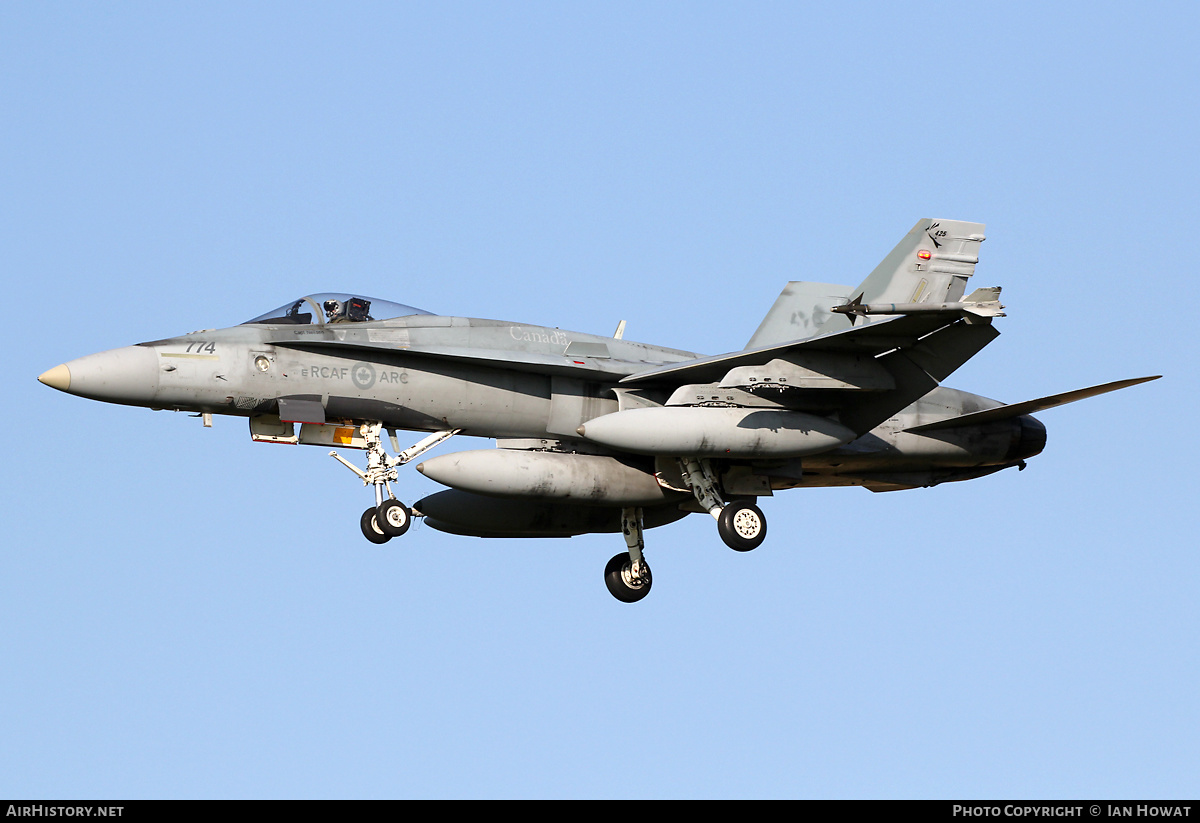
(389, 517)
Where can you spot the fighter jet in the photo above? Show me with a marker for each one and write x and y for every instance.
(839, 386)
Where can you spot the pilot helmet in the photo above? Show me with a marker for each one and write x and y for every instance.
(332, 308)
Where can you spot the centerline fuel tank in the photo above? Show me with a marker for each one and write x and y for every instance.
(576, 478)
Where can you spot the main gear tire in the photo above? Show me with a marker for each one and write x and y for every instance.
(618, 576)
(742, 526)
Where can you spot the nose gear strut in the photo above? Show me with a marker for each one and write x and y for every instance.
(389, 517)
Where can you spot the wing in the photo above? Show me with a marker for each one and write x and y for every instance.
(884, 335)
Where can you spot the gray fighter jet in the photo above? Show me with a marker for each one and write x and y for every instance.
(839, 386)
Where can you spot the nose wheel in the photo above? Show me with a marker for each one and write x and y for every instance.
(394, 517)
(381, 523)
(371, 528)
(389, 517)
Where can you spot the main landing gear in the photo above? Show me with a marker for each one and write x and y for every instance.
(389, 517)
(741, 525)
(627, 575)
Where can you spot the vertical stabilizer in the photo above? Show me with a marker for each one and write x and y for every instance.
(799, 312)
(930, 265)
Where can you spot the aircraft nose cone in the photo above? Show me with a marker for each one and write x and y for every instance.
(58, 377)
(128, 375)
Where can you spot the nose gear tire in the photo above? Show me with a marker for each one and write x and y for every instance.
(370, 527)
(394, 518)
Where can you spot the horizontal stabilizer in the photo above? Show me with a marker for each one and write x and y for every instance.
(1028, 407)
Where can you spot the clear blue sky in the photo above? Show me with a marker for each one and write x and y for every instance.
(188, 614)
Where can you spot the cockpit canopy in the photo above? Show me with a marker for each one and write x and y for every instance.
(334, 307)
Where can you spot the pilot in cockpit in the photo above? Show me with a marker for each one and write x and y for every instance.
(353, 310)
(335, 311)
